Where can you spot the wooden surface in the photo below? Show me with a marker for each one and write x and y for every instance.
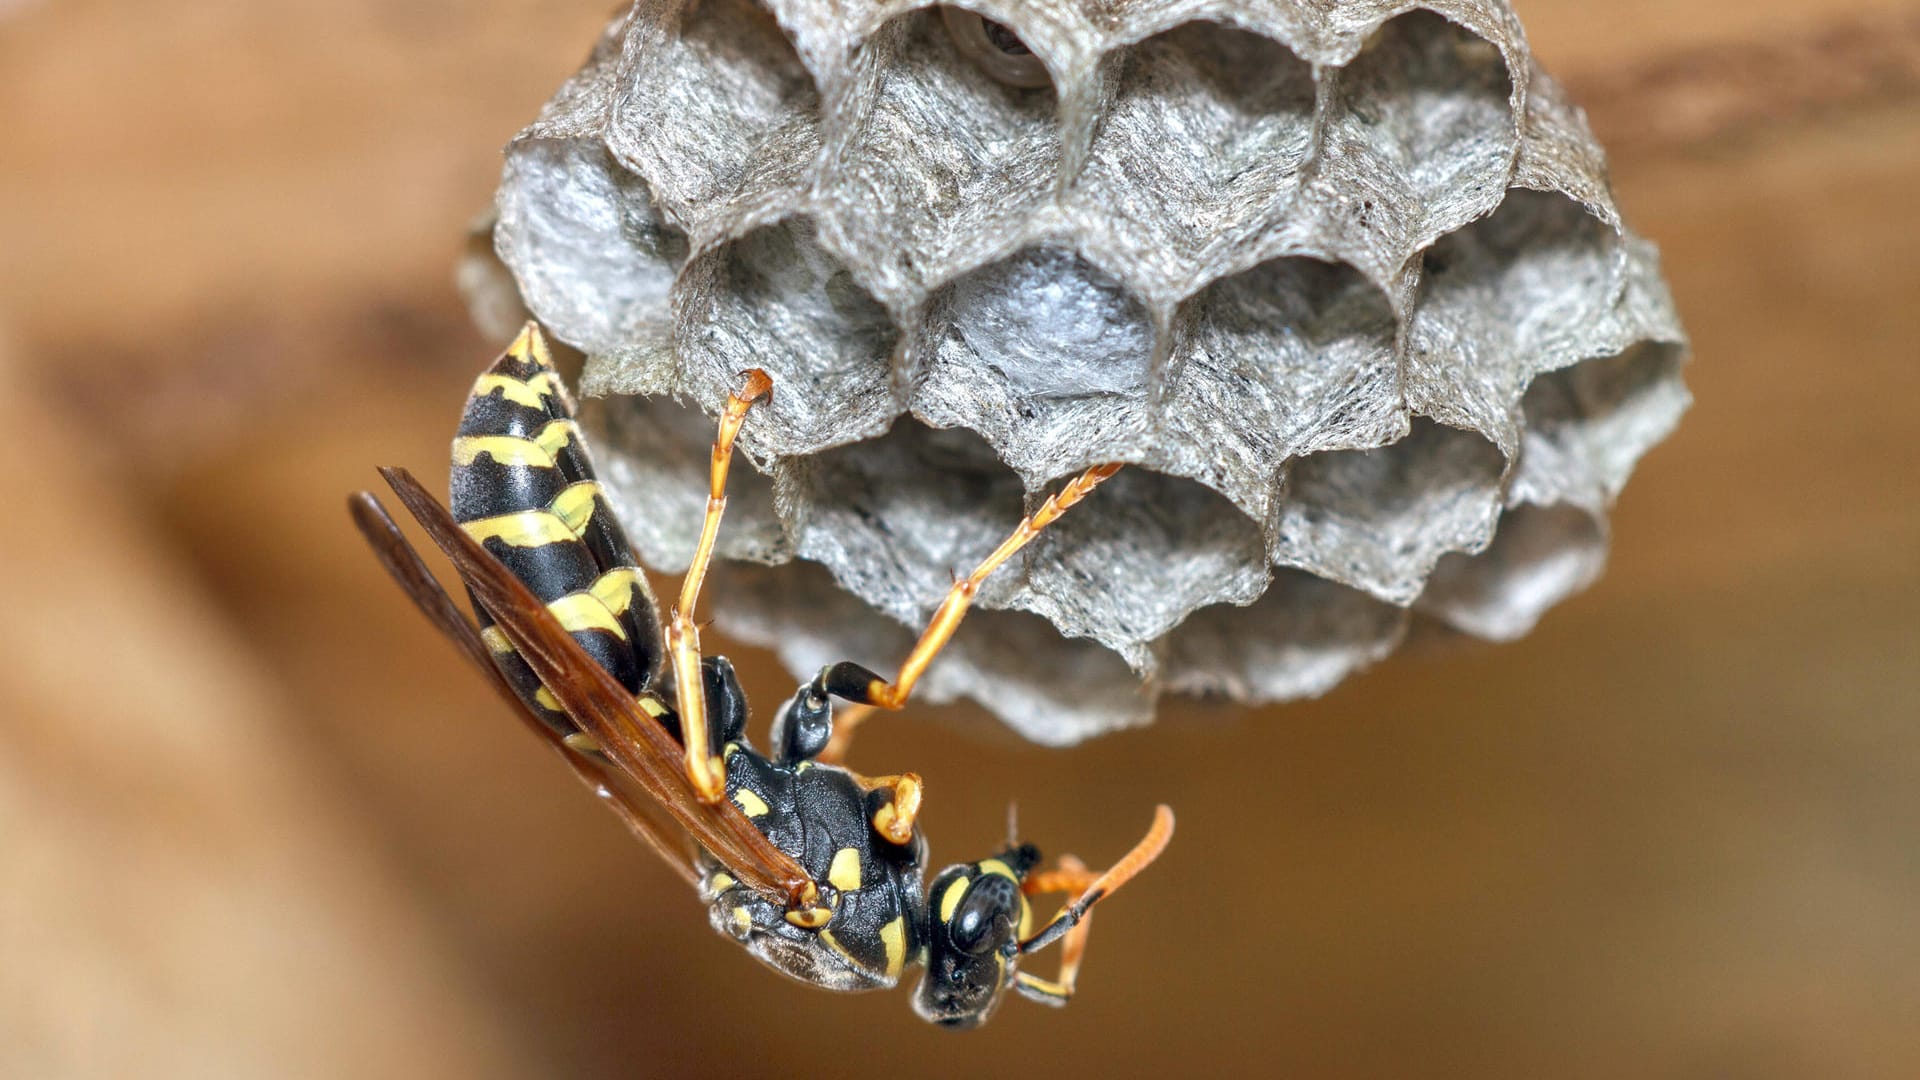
(255, 820)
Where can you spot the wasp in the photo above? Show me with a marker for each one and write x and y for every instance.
(818, 870)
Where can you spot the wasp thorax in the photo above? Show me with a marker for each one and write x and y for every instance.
(1346, 288)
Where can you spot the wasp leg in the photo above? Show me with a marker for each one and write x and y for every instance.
(894, 818)
(809, 728)
(1075, 913)
(805, 730)
(1071, 876)
(845, 723)
(856, 684)
(706, 770)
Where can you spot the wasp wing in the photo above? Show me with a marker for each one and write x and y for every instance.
(605, 710)
(404, 565)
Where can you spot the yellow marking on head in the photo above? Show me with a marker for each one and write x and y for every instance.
(834, 944)
(803, 766)
(844, 873)
(750, 804)
(497, 641)
(531, 393)
(720, 882)
(652, 706)
(615, 588)
(742, 919)
(503, 449)
(522, 528)
(584, 611)
(579, 742)
(530, 347)
(544, 698)
(810, 918)
(995, 866)
(950, 900)
(727, 751)
(894, 937)
(575, 503)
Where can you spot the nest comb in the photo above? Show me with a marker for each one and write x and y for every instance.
(1344, 281)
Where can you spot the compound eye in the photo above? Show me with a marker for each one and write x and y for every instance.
(984, 920)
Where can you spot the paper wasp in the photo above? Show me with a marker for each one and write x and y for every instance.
(816, 869)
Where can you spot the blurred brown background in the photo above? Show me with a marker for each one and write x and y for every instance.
(256, 820)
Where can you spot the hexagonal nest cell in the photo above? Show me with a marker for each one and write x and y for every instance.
(1343, 284)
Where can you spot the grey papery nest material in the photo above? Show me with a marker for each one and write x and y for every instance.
(1344, 280)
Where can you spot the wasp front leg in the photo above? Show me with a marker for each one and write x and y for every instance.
(1070, 927)
(706, 770)
(1071, 877)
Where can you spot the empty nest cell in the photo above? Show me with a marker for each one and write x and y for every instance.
(706, 165)
(1203, 141)
(1435, 102)
(1588, 425)
(1294, 356)
(1418, 138)
(1540, 556)
(938, 162)
(1048, 356)
(776, 299)
(1299, 639)
(595, 260)
(1379, 519)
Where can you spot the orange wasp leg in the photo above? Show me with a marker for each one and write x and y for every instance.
(1073, 920)
(706, 771)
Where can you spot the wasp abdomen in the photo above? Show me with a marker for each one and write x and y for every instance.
(523, 485)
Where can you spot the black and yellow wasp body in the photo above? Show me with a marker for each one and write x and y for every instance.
(816, 869)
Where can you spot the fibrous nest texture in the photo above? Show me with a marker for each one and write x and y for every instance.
(1343, 279)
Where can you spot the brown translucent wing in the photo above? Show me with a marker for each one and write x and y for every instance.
(605, 710)
(403, 563)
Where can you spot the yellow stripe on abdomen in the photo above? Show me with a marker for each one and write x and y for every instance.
(522, 528)
(615, 588)
(531, 393)
(538, 451)
(557, 434)
(503, 449)
(584, 611)
(575, 504)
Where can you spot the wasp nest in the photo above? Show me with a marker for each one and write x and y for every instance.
(1344, 280)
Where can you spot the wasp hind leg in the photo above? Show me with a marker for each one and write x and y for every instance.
(829, 737)
(706, 770)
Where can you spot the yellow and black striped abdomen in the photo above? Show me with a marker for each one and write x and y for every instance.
(523, 486)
